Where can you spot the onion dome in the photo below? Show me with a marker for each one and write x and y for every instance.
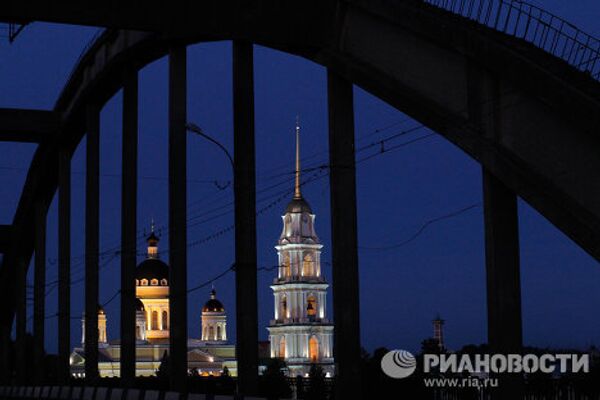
(152, 268)
(152, 271)
(298, 205)
(213, 305)
(139, 306)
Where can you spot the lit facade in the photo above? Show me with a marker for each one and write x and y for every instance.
(209, 355)
(300, 334)
(214, 320)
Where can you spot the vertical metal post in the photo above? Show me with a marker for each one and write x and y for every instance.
(486, 101)
(5, 346)
(503, 277)
(245, 218)
(21, 321)
(128, 226)
(92, 220)
(344, 237)
(64, 264)
(177, 216)
(39, 291)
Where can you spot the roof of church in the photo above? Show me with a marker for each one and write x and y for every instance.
(152, 240)
(298, 205)
(152, 268)
(213, 305)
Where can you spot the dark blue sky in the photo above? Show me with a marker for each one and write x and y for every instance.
(401, 289)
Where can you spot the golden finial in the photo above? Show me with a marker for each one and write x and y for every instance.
(297, 193)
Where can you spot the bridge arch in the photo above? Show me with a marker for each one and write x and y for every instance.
(454, 79)
(529, 118)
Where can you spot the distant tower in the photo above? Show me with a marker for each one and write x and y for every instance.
(438, 331)
(102, 337)
(101, 325)
(300, 333)
(214, 320)
(152, 289)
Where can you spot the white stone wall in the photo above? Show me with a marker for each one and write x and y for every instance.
(218, 322)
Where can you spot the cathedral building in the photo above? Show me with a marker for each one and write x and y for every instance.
(209, 354)
(300, 334)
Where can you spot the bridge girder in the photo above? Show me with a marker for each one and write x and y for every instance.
(27, 126)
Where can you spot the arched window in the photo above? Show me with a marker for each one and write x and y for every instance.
(137, 282)
(163, 282)
(311, 306)
(283, 308)
(154, 320)
(218, 332)
(307, 265)
(138, 332)
(165, 320)
(313, 349)
(154, 282)
(282, 347)
(211, 333)
(144, 282)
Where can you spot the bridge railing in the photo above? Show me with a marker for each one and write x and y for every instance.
(534, 25)
(101, 393)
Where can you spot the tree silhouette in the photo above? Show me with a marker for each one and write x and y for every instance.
(317, 389)
(163, 368)
(274, 383)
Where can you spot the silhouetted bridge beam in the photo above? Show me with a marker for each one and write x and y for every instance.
(423, 63)
(5, 237)
(27, 126)
(181, 18)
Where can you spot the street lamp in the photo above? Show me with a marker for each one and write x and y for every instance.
(190, 126)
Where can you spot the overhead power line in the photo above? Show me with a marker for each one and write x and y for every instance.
(422, 229)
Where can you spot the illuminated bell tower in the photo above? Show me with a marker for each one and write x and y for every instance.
(214, 320)
(102, 335)
(152, 289)
(300, 334)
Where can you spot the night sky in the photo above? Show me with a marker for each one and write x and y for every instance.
(407, 277)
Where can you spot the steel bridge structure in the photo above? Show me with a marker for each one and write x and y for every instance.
(513, 86)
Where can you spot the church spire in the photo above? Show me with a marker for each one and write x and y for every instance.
(297, 193)
(152, 241)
